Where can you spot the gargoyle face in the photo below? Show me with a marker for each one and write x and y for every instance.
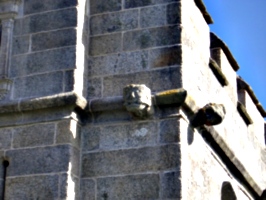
(137, 99)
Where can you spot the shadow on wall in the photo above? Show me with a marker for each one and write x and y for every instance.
(227, 192)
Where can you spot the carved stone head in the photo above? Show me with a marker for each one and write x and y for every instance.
(137, 100)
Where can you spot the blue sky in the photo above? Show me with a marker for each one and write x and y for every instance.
(241, 24)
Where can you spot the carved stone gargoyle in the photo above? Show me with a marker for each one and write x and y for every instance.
(138, 100)
(211, 114)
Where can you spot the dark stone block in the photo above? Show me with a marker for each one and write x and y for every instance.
(35, 135)
(90, 138)
(53, 60)
(32, 187)
(113, 22)
(105, 44)
(100, 6)
(94, 88)
(153, 16)
(38, 85)
(46, 21)
(20, 45)
(33, 6)
(129, 187)
(141, 3)
(87, 189)
(38, 160)
(174, 13)
(5, 139)
(130, 161)
(53, 39)
(164, 57)
(153, 37)
(171, 185)
(121, 63)
(169, 131)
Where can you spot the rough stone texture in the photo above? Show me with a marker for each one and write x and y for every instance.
(33, 6)
(5, 138)
(141, 3)
(169, 131)
(174, 13)
(88, 189)
(46, 21)
(121, 63)
(32, 187)
(105, 44)
(53, 60)
(53, 85)
(53, 39)
(114, 22)
(164, 57)
(153, 16)
(153, 37)
(21, 45)
(32, 136)
(171, 185)
(68, 132)
(94, 88)
(128, 161)
(101, 6)
(119, 137)
(129, 187)
(165, 79)
(38, 160)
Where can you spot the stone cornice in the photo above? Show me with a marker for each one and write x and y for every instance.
(31, 104)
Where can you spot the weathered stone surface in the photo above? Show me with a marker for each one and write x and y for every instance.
(101, 6)
(105, 44)
(90, 138)
(53, 39)
(38, 160)
(140, 3)
(94, 88)
(152, 37)
(32, 136)
(33, 6)
(21, 44)
(87, 189)
(69, 81)
(129, 187)
(129, 161)
(68, 132)
(32, 187)
(113, 22)
(38, 85)
(168, 78)
(120, 136)
(169, 131)
(153, 16)
(57, 59)
(165, 57)
(174, 13)
(121, 63)
(171, 185)
(46, 21)
(5, 139)
(111, 116)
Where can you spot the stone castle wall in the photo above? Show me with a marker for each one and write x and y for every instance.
(65, 131)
